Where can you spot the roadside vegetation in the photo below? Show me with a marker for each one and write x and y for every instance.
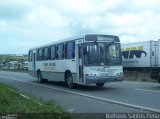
(8, 58)
(14, 104)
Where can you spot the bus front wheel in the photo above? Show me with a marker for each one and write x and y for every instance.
(99, 85)
(70, 81)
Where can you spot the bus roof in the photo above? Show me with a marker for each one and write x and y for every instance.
(68, 39)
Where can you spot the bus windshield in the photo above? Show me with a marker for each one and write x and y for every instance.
(102, 54)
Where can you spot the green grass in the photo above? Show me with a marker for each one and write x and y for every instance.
(11, 102)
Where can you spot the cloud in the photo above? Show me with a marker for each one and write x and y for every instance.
(45, 17)
(14, 9)
(24, 24)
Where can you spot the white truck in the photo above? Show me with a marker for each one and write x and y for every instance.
(142, 56)
(155, 71)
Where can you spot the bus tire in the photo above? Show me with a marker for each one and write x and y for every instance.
(99, 85)
(39, 77)
(70, 83)
(159, 77)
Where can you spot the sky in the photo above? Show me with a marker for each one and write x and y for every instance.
(28, 23)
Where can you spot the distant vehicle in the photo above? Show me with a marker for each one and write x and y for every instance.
(25, 65)
(85, 59)
(1, 64)
(15, 65)
(155, 71)
(142, 56)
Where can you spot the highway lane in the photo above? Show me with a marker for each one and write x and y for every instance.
(91, 99)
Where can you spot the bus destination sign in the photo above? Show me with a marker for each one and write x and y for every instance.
(101, 38)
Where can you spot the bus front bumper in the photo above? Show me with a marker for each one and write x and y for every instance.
(100, 79)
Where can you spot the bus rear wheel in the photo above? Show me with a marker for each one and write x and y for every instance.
(99, 85)
(39, 77)
(159, 77)
(70, 83)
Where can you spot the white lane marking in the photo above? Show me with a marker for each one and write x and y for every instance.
(12, 90)
(19, 93)
(30, 98)
(154, 91)
(24, 96)
(92, 97)
(71, 110)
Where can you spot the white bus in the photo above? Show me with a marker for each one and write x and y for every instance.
(85, 59)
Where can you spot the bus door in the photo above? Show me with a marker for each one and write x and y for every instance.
(79, 61)
(34, 63)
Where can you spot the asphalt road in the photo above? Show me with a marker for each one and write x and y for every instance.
(116, 97)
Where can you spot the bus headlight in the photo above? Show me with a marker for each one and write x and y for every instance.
(120, 73)
(91, 74)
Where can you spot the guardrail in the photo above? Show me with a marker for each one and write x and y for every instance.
(15, 70)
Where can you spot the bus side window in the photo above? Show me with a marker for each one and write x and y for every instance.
(60, 51)
(65, 51)
(70, 47)
(73, 50)
(41, 54)
(46, 53)
(49, 53)
(37, 55)
(30, 56)
(53, 52)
